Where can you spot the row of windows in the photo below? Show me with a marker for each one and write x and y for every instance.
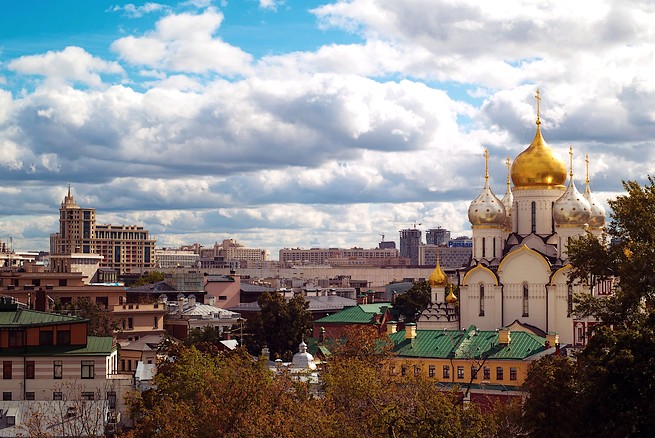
(445, 374)
(58, 395)
(87, 369)
(526, 301)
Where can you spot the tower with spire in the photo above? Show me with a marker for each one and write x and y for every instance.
(518, 272)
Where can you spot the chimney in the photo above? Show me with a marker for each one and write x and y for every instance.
(410, 330)
(503, 336)
(192, 300)
(321, 334)
(180, 303)
(211, 300)
(392, 327)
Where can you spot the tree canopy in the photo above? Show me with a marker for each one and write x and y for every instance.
(149, 278)
(414, 301)
(280, 325)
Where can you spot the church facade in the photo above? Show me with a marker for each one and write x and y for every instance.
(519, 265)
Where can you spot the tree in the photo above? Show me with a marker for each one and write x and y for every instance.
(414, 301)
(101, 320)
(280, 325)
(149, 278)
(615, 373)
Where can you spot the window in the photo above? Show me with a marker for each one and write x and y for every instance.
(15, 339)
(392, 370)
(10, 420)
(6, 396)
(222, 297)
(526, 309)
(534, 217)
(155, 321)
(481, 299)
(431, 371)
(62, 282)
(45, 337)
(111, 397)
(29, 369)
(486, 372)
(403, 370)
(484, 247)
(460, 372)
(130, 323)
(88, 369)
(58, 369)
(417, 370)
(512, 373)
(6, 369)
(29, 396)
(474, 372)
(122, 364)
(88, 395)
(569, 301)
(499, 373)
(57, 396)
(494, 242)
(63, 337)
(446, 372)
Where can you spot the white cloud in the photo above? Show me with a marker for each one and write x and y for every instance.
(71, 64)
(185, 42)
(134, 11)
(270, 4)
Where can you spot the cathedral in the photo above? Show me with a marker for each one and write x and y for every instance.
(518, 273)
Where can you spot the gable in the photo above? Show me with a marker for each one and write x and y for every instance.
(524, 265)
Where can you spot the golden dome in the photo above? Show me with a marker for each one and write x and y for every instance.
(571, 208)
(438, 277)
(451, 298)
(486, 209)
(537, 167)
(597, 218)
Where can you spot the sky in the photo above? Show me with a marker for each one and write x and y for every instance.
(303, 123)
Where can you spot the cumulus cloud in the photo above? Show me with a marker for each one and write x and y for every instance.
(270, 4)
(134, 11)
(185, 42)
(71, 64)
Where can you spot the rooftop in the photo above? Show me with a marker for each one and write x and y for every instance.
(359, 314)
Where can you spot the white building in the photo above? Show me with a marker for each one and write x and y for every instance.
(520, 265)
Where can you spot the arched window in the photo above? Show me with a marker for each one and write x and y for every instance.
(569, 301)
(481, 299)
(534, 217)
(484, 247)
(526, 308)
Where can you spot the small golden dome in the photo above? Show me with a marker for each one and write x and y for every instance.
(597, 218)
(486, 209)
(537, 166)
(451, 298)
(438, 277)
(571, 208)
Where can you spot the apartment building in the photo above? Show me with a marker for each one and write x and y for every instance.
(339, 256)
(125, 248)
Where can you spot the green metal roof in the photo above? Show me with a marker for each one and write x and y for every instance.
(27, 317)
(95, 346)
(360, 314)
(466, 344)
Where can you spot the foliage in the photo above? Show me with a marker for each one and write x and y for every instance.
(101, 320)
(149, 278)
(280, 325)
(414, 301)
(610, 387)
(204, 338)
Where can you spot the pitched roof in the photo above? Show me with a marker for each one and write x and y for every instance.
(95, 346)
(17, 317)
(467, 344)
(360, 314)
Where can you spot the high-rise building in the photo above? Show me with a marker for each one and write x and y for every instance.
(410, 240)
(123, 247)
(437, 236)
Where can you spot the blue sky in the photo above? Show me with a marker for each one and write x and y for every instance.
(305, 123)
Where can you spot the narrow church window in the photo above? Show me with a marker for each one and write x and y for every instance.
(494, 248)
(484, 247)
(526, 309)
(569, 301)
(534, 217)
(482, 300)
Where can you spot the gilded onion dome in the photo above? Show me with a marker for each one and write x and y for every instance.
(508, 199)
(537, 166)
(438, 277)
(486, 209)
(451, 298)
(571, 208)
(597, 219)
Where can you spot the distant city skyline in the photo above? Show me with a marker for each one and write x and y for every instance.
(308, 123)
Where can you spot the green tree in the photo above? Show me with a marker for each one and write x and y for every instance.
(414, 301)
(280, 325)
(101, 320)
(615, 373)
(149, 278)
